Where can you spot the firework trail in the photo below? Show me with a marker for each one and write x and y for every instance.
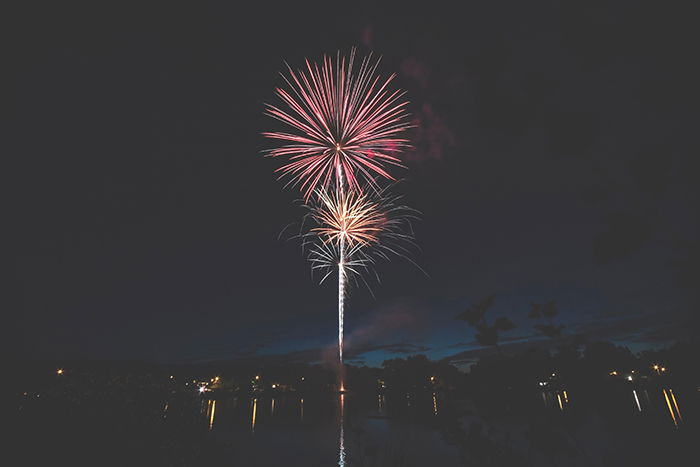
(344, 126)
(354, 230)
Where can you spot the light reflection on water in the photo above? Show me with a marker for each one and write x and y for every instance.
(636, 399)
(331, 420)
(672, 405)
(640, 399)
(675, 404)
(341, 449)
(255, 412)
(212, 411)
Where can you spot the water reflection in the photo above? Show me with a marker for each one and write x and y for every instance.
(301, 403)
(548, 399)
(341, 453)
(435, 408)
(255, 411)
(272, 409)
(675, 404)
(211, 417)
(636, 399)
(672, 406)
(382, 403)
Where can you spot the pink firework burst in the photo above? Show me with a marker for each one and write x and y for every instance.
(345, 124)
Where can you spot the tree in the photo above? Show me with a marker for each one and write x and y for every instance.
(546, 311)
(486, 335)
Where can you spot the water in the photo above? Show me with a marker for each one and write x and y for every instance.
(660, 403)
(287, 429)
(408, 429)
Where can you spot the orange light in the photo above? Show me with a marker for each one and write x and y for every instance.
(670, 409)
(211, 419)
(675, 404)
(255, 411)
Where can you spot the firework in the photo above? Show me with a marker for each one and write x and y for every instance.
(345, 125)
(344, 132)
(351, 231)
(362, 227)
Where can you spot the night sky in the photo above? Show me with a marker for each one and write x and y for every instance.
(552, 161)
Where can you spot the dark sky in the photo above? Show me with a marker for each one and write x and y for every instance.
(552, 160)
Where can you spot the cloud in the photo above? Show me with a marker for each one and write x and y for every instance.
(397, 348)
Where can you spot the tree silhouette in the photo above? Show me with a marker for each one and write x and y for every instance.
(486, 335)
(546, 311)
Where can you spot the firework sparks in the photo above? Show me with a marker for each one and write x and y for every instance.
(350, 232)
(355, 231)
(345, 122)
(345, 131)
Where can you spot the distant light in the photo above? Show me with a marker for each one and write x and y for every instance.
(302, 378)
(274, 386)
(656, 367)
(216, 379)
(613, 373)
(257, 377)
(202, 389)
(553, 375)
(432, 378)
(663, 368)
(629, 378)
(59, 371)
(171, 377)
